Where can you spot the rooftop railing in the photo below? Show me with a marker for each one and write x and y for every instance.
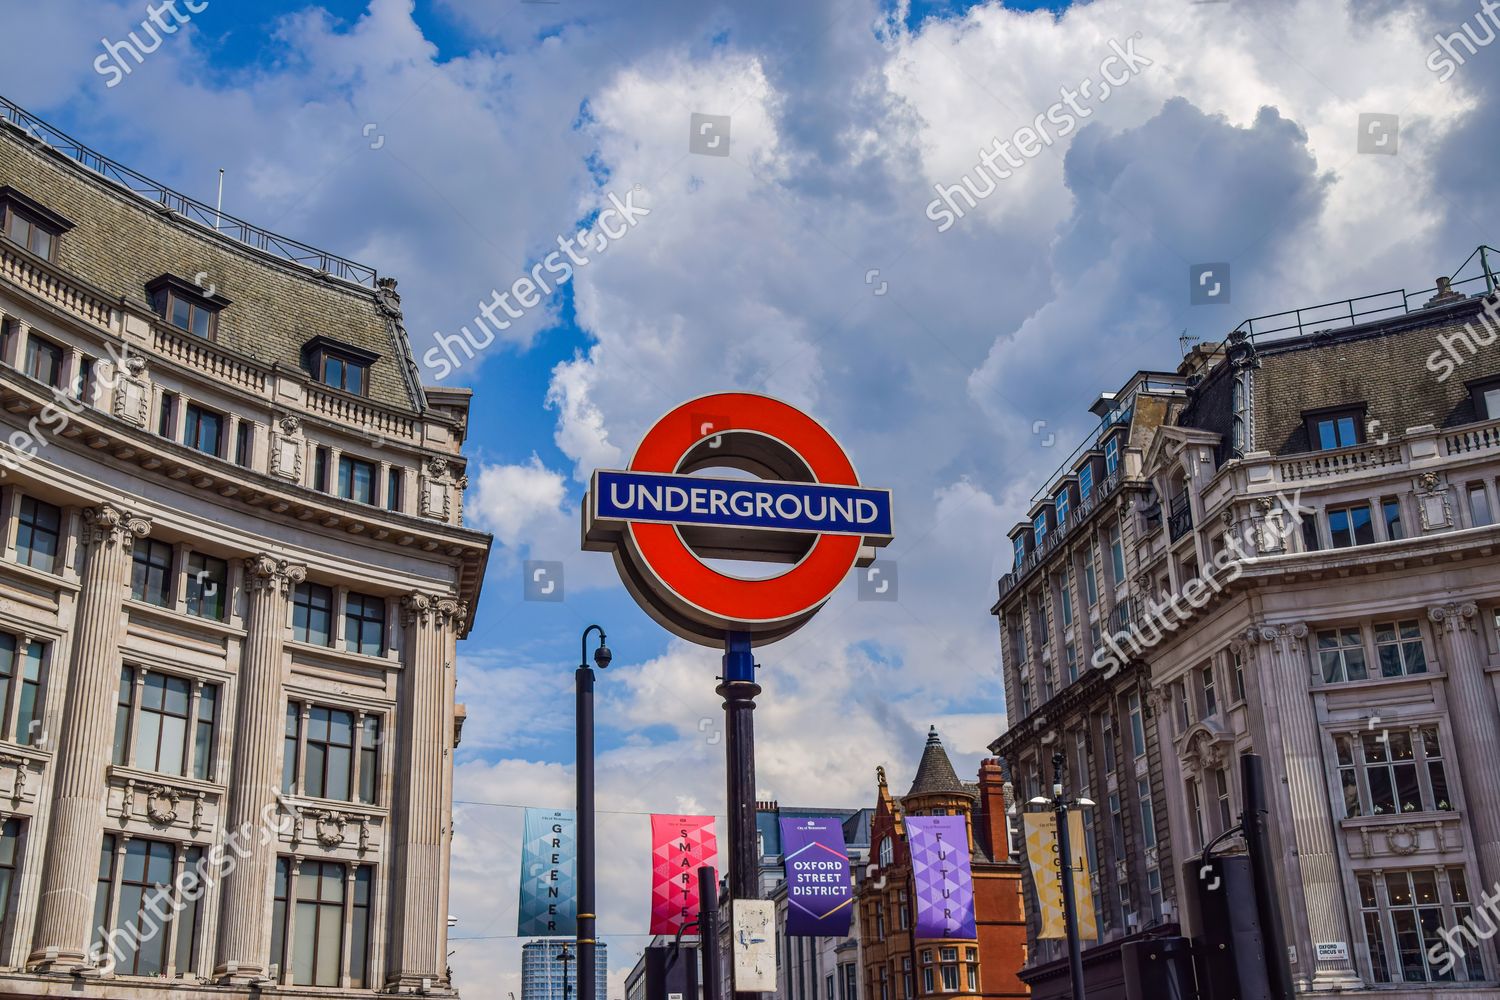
(1343, 313)
(1058, 535)
(195, 211)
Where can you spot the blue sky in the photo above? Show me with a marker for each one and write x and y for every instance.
(449, 143)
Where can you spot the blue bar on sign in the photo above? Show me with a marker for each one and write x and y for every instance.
(742, 503)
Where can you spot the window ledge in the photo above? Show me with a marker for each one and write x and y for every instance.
(51, 581)
(22, 752)
(149, 610)
(309, 804)
(385, 661)
(1323, 687)
(1398, 818)
(124, 772)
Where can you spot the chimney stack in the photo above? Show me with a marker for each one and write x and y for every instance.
(995, 829)
(1445, 293)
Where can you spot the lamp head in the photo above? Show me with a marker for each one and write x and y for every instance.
(1041, 800)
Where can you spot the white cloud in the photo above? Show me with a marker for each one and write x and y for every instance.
(803, 265)
(509, 500)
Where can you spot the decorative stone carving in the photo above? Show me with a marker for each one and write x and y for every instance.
(127, 802)
(330, 828)
(1204, 749)
(18, 782)
(108, 525)
(198, 813)
(132, 392)
(1270, 633)
(1454, 617)
(161, 804)
(436, 490)
(1402, 840)
(265, 572)
(1433, 503)
(364, 834)
(287, 447)
(296, 817)
(416, 607)
(1270, 526)
(451, 612)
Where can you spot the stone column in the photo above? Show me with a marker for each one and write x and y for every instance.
(71, 867)
(421, 815)
(1173, 795)
(1476, 726)
(1316, 876)
(244, 923)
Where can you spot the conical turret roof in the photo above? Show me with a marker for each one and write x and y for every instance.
(935, 774)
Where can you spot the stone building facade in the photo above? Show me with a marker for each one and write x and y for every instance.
(897, 964)
(233, 574)
(1076, 581)
(1313, 565)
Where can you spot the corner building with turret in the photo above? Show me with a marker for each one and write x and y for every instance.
(899, 965)
(234, 573)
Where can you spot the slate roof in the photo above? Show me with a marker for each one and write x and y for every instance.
(120, 241)
(935, 773)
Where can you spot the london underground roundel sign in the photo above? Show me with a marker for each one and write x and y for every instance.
(667, 524)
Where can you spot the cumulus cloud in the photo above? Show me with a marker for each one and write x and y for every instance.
(956, 367)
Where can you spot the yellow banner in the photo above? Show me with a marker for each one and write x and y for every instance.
(1041, 852)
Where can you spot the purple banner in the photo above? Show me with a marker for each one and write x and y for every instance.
(940, 871)
(819, 892)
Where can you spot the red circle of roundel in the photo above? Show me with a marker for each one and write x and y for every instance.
(800, 589)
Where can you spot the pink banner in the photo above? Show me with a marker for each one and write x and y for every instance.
(679, 846)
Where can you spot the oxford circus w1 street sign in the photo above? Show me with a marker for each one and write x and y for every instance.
(806, 507)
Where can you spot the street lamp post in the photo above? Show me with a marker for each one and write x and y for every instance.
(584, 677)
(1060, 804)
(565, 958)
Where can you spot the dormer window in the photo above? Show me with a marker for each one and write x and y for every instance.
(1340, 428)
(30, 224)
(1486, 397)
(339, 366)
(186, 306)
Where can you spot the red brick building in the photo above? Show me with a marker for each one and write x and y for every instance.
(898, 965)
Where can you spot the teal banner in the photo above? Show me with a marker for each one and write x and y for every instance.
(549, 863)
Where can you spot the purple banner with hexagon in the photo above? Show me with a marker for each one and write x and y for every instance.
(941, 874)
(819, 892)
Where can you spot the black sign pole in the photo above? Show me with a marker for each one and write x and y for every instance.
(1267, 892)
(1065, 873)
(738, 691)
(708, 930)
(584, 804)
